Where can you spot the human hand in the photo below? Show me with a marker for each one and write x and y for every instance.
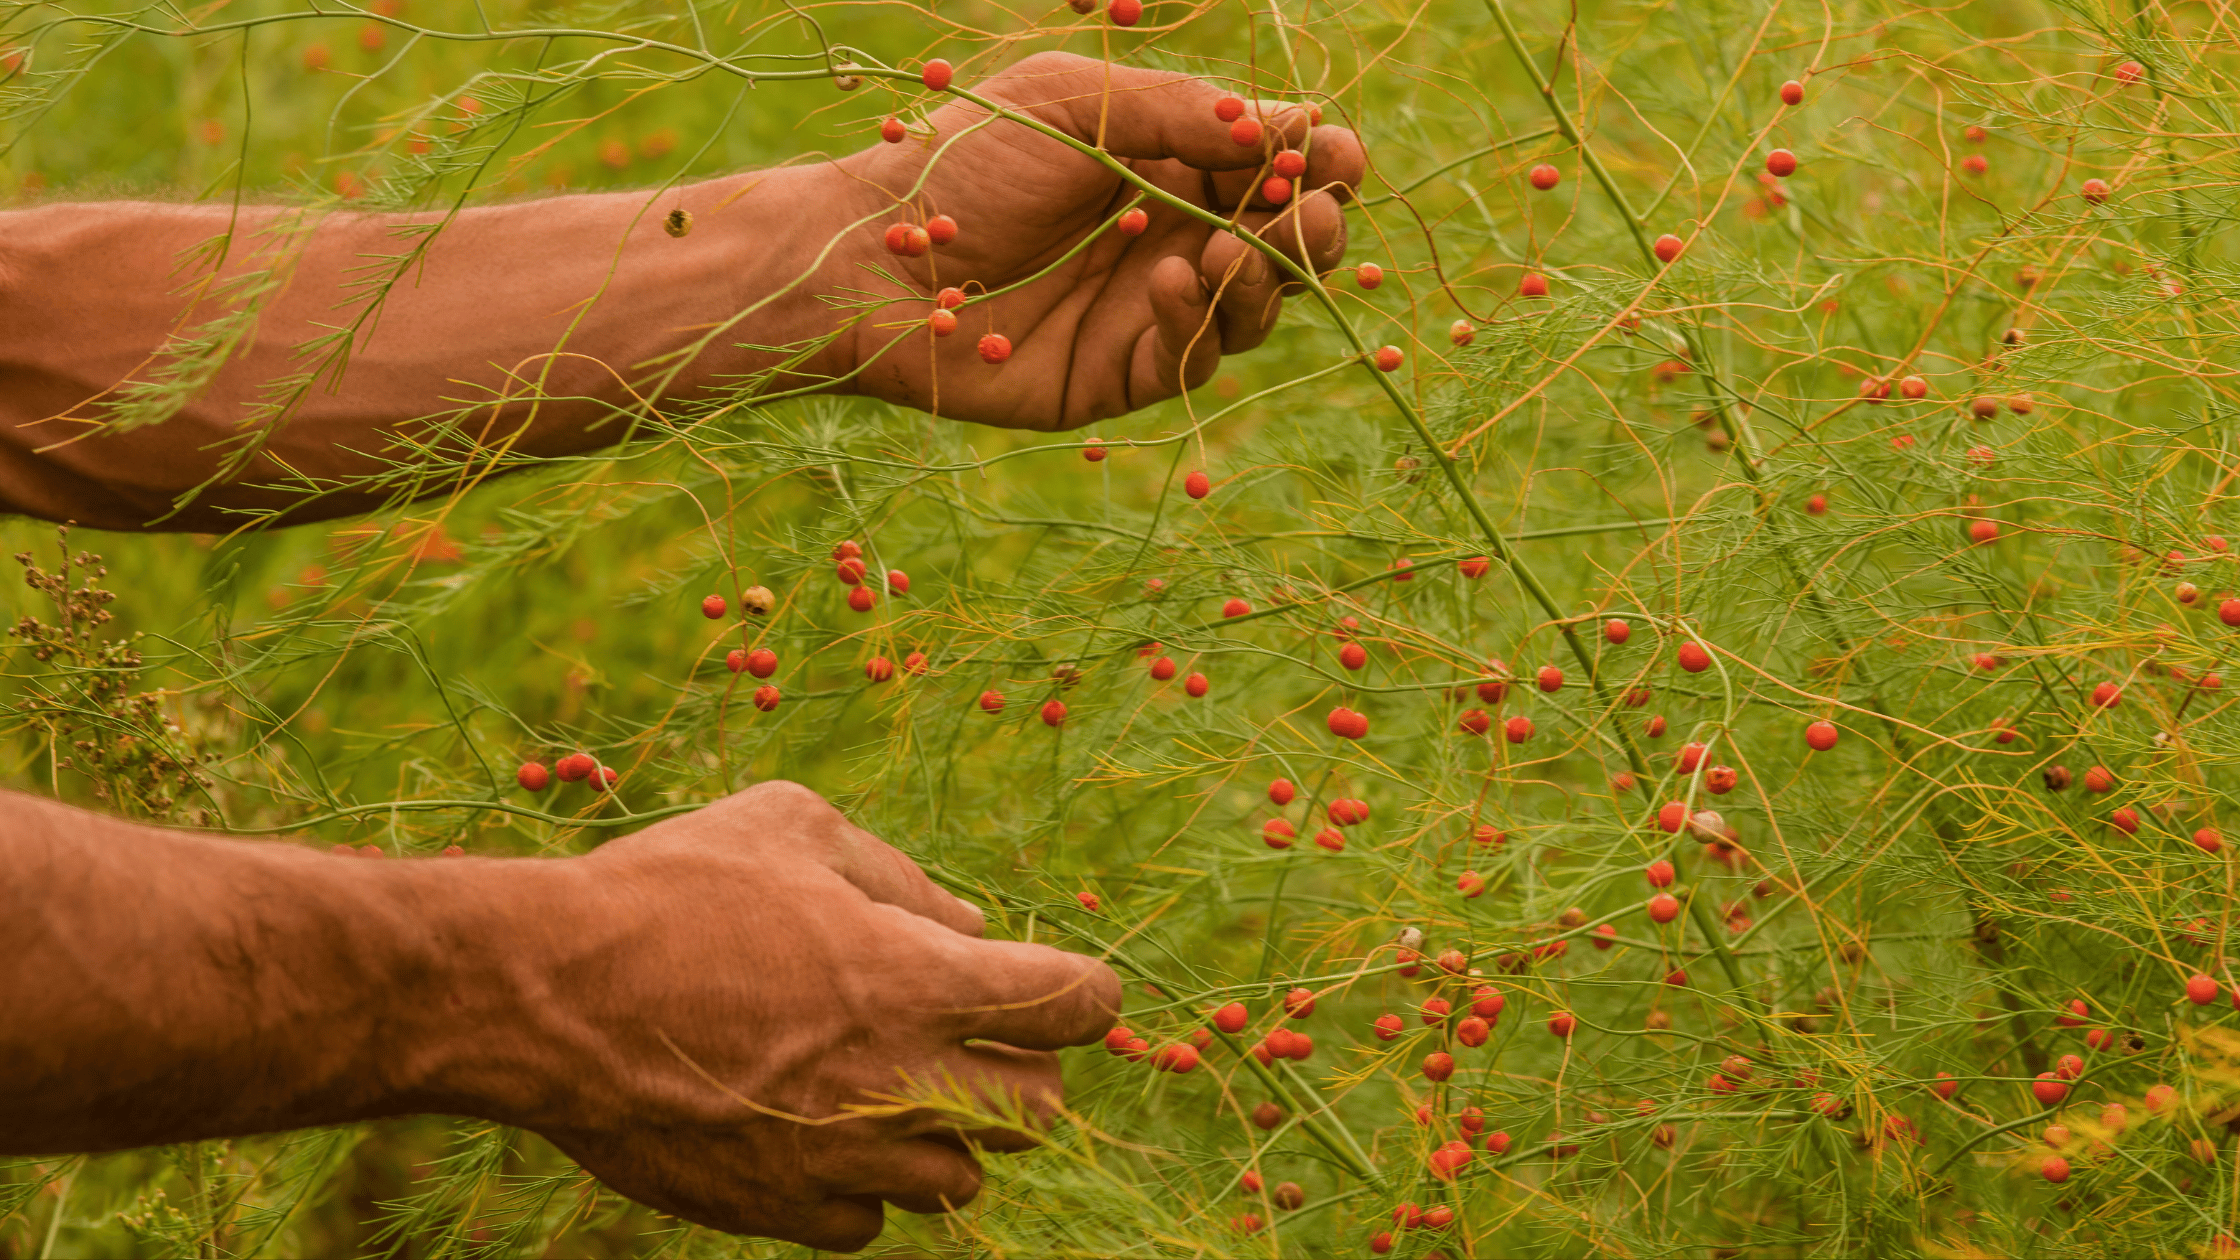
(1129, 320)
(721, 988)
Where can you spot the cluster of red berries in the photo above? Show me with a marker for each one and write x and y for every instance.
(578, 767)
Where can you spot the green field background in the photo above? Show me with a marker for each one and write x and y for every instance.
(1913, 901)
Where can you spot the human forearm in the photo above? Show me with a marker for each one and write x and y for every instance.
(525, 329)
(163, 986)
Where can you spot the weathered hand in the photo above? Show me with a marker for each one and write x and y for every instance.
(728, 983)
(1127, 321)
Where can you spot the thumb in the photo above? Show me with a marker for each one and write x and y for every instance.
(1143, 114)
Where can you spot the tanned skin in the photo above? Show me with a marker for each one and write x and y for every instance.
(718, 1014)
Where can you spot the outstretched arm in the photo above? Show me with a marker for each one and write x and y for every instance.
(385, 361)
(706, 1014)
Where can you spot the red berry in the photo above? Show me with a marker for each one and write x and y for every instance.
(878, 669)
(1694, 658)
(941, 229)
(1231, 1018)
(1668, 247)
(1821, 736)
(1691, 756)
(1974, 134)
(735, 660)
(1133, 221)
(937, 74)
(1334, 841)
(2095, 190)
(1235, 606)
(1347, 724)
(1781, 163)
(532, 776)
(1604, 936)
(1093, 450)
(1054, 713)
(1182, 1058)
(949, 299)
(1197, 485)
(1913, 388)
(762, 662)
(861, 599)
(1125, 12)
(915, 663)
(2055, 1169)
(1228, 109)
(1462, 332)
(1664, 908)
(1674, 815)
(2228, 612)
(1470, 884)
(1616, 631)
(2076, 1016)
(908, 240)
(1353, 656)
(893, 132)
(995, 348)
(1290, 164)
(942, 322)
(2208, 840)
(1518, 729)
(1533, 285)
(2099, 779)
(766, 697)
(1720, 780)
(1389, 358)
(1245, 132)
(1974, 164)
(2129, 73)
(898, 582)
(1477, 566)
(1195, 685)
(1380, 1243)
(849, 570)
(1368, 275)
(2106, 696)
(604, 778)
(1544, 176)
(991, 702)
(1299, 1003)
(1792, 93)
(1278, 834)
(1438, 1065)
(1981, 532)
(1346, 811)
(1562, 1023)
(1163, 668)
(2048, 1089)
(1474, 721)
(2069, 1067)
(1945, 1086)
(2201, 990)
(1550, 678)
(1655, 726)
(1817, 505)
(574, 768)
